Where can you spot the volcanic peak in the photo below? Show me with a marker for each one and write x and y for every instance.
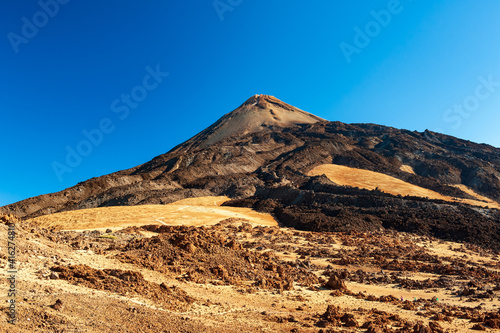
(259, 113)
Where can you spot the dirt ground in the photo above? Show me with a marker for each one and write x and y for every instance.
(206, 268)
(192, 212)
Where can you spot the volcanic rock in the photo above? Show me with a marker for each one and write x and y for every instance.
(260, 155)
(335, 283)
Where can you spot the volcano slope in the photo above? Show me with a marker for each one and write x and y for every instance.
(262, 154)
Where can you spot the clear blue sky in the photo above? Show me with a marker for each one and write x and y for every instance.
(72, 70)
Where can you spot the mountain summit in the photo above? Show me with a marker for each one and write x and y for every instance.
(312, 174)
(259, 113)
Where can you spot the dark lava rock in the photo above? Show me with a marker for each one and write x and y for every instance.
(57, 305)
(478, 327)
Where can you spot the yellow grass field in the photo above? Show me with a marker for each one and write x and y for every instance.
(371, 180)
(191, 212)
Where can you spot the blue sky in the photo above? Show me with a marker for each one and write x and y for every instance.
(123, 81)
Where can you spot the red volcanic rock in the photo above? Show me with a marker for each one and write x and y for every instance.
(335, 283)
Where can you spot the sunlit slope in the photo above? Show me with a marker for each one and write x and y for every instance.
(371, 180)
(192, 212)
(471, 192)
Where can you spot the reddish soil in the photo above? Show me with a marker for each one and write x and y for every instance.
(124, 282)
(205, 255)
(233, 277)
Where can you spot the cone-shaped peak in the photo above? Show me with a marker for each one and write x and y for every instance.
(267, 101)
(258, 113)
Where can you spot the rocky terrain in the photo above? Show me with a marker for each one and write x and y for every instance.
(265, 149)
(240, 276)
(270, 220)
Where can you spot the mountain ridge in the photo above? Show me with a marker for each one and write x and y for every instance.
(265, 155)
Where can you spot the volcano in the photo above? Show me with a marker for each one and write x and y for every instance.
(260, 113)
(312, 174)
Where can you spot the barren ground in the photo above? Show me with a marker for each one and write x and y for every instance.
(206, 268)
(191, 212)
